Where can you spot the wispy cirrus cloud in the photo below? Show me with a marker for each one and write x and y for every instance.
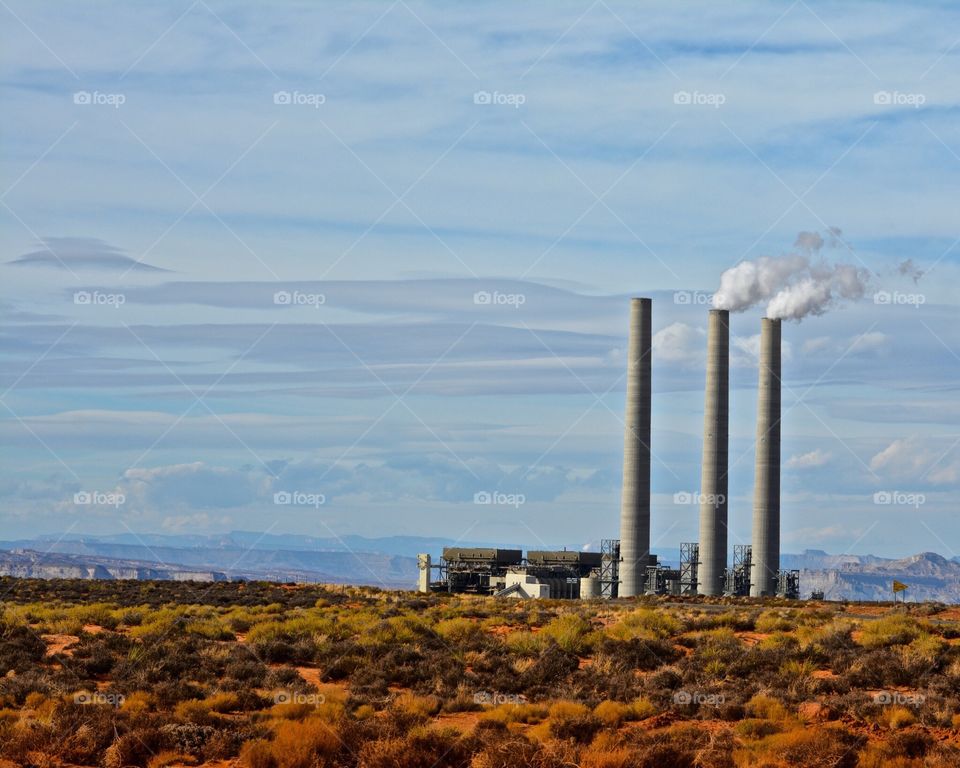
(81, 253)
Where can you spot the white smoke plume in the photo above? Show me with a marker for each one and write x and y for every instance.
(909, 269)
(794, 285)
(809, 242)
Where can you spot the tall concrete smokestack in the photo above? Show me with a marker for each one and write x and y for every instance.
(635, 498)
(766, 489)
(713, 473)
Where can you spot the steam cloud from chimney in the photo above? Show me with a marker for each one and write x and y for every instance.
(794, 285)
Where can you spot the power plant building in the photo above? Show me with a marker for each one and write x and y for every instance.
(625, 567)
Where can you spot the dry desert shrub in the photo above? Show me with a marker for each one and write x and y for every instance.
(570, 720)
(775, 621)
(645, 624)
(170, 757)
(821, 747)
(767, 708)
(507, 752)
(409, 709)
(896, 717)
(420, 747)
(894, 629)
(613, 713)
(570, 631)
(295, 744)
(135, 748)
(516, 713)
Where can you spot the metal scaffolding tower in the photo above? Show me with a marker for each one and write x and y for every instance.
(737, 580)
(788, 584)
(609, 568)
(689, 563)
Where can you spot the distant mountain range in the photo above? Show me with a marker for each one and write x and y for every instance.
(928, 576)
(391, 562)
(238, 555)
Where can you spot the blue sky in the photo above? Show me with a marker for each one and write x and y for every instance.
(245, 252)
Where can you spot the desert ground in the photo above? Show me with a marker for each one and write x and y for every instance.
(260, 675)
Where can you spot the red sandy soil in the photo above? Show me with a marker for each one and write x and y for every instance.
(92, 629)
(949, 614)
(212, 764)
(662, 720)
(58, 644)
(311, 675)
(464, 722)
(824, 674)
(752, 638)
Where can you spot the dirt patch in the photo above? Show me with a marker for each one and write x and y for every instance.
(464, 722)
(93, 629)
(824, 674)
(311, 675)
(59, 644)
(752, 638)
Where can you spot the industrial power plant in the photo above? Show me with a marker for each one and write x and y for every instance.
(625, 567)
